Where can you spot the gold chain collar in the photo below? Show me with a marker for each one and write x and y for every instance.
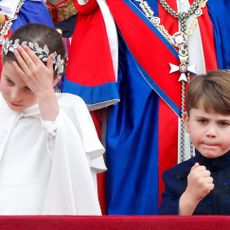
(179, 41)
(180, 15)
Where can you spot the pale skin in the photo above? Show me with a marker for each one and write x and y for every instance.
(209, 132)
(28, 82)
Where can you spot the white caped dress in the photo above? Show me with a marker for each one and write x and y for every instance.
(49, 167)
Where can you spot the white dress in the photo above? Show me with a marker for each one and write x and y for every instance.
(48, 167)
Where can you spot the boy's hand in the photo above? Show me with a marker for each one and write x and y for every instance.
(200, 183)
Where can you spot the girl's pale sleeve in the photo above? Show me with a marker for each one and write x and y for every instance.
(92, 146)
(71, 188)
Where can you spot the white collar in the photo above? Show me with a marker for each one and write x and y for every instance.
(31, 111)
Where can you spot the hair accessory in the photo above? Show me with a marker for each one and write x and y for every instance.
(42, 53)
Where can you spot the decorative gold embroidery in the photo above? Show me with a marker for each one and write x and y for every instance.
(62, 11)
(2, 19)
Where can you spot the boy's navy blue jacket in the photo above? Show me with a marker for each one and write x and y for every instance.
(216, 202)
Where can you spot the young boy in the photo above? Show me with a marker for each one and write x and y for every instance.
(201, 185)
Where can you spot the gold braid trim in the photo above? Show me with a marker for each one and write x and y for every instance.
(62, 11)
(2, 19)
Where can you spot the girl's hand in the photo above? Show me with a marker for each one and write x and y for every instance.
(39, 78)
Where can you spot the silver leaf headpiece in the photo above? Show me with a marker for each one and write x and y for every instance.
(42, 53)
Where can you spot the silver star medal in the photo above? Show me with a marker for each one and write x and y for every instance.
(179, 40)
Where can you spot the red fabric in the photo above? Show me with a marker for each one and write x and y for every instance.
(169, 22)
(148, 42)
(168, 120)
(53, 11)
(87, 8)
(97, 117)
(114, 222)
(101, 192)
(168, 142)
(90, 48)
(208, 43)
(0, 61)
(7, 36)
(206, 30)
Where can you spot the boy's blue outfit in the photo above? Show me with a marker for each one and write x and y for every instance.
(216, 202)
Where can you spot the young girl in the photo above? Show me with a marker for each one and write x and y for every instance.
(49, 149)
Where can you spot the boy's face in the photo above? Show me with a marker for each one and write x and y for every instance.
(14, 90)
(209, 132)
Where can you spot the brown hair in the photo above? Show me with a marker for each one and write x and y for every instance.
(43, 35)
(212, 90)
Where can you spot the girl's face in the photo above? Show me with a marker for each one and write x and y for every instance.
(209, 132)
(14, 90)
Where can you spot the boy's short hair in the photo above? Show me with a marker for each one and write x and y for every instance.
(211, 90)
